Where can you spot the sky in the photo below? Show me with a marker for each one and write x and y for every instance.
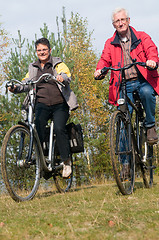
(29, 16)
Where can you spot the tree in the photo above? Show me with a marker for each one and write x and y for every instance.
(74, 46)
(4, 43)
(92, 113)
(16, 67)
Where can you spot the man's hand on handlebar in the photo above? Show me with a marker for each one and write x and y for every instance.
(98, 75)
(151, 64)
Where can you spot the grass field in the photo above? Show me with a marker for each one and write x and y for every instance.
(95, 212)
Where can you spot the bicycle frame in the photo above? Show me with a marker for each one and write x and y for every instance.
(51, 146)
(23, 161)
(131, 151)
(31, 125)
(124, 109)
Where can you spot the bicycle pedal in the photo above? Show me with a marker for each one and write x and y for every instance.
(153, 167)
(148, 168)
(58, 167)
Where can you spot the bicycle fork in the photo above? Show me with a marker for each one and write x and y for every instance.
(51, 146)
(25, 162)
(51, 165)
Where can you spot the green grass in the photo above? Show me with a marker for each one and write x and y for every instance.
(96, 212)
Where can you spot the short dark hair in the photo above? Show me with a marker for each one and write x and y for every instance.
(43, 41)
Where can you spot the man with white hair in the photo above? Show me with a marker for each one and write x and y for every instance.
(124, 47)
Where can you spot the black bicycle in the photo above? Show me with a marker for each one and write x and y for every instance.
(22, 158)
(130, 153)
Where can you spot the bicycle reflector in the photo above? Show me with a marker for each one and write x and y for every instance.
(24, 114)
(121, 101)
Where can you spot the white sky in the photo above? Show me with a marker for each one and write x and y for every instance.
(28, 16)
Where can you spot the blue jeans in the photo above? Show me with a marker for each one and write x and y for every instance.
(148, 99)
(147, 96)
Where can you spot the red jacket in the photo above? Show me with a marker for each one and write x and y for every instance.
(142, 49)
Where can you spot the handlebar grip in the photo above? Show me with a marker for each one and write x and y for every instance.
(151, 69)
(103, 73)
(104, 70)
(49, 76)
(100, 77)
(143, 64)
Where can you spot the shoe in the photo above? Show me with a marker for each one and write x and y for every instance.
(67, 170)
(125, 172)
(152, 137)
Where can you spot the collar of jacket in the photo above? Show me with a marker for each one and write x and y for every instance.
(134, 40)
(53, 61)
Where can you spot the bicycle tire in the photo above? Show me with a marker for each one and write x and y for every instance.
(22, 182)
(62, 184)
(146, 164)
(123, 161)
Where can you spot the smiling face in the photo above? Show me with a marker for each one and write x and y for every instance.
(121, 22)
(43, 52)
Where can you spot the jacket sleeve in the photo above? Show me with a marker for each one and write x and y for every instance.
(105, 60)
(64, 71)
(20, 88)
(149, 47)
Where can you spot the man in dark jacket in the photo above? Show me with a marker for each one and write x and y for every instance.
(126, 45)
(52, 100)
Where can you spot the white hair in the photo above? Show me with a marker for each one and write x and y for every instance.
(117, 10)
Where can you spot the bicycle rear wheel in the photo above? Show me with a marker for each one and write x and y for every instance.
(146, 164)
(122, 154)
(62, 184)
(21, 180)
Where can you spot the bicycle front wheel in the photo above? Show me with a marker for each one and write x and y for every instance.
(21, 180)
(122, 154)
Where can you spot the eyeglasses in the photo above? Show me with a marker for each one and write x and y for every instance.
(123, 20)
(42, 50)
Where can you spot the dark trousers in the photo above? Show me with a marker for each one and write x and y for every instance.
(60, 114)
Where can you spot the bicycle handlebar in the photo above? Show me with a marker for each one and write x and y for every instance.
(47, 77)
(106, 69)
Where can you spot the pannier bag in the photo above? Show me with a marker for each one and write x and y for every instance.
(75, 137)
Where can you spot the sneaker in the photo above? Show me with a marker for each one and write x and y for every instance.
(152, 137)
(67, 170)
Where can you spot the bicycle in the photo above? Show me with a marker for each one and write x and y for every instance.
(23, 163)
(128, 145)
